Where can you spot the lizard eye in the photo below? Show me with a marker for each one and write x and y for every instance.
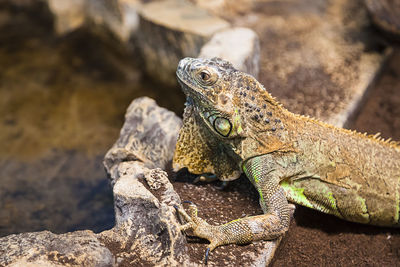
(206, 77)
(222, 126)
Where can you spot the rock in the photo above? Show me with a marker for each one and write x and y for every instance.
(71, 15)
(148, 135)
(80, 248)
(240, 46)
(106, 15)
(134, 182)
(227, 9)
(68, 15)
(171, 30)
(23, 17)
(385, 15)
(130, 16)
(100, 16)
(146, 230)
(118, 17)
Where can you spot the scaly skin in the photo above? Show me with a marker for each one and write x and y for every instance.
(233, 125)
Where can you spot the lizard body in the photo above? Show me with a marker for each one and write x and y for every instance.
(232, 125)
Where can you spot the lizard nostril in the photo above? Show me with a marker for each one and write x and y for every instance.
(187, 67)
(183, 64)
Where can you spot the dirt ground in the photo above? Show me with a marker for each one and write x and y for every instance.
(314, 239)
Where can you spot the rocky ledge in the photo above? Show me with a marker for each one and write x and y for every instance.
(146, 229)
(146, 226)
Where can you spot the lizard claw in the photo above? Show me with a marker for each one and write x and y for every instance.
(200, 228)
(206, 256)
(210, 248)
(189, 218)
(223, 185)
(207, 178)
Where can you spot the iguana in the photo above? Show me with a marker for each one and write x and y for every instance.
(232, 125)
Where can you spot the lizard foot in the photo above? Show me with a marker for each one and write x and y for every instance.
(239, 231)
(214, 234)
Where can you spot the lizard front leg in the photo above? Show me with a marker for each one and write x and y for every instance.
(235, 232)
(269, 226)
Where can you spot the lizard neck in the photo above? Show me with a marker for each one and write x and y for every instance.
(267, 122)
(262, 113)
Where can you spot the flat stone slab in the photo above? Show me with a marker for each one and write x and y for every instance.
(317, 57)
(171, 30)
(183, 16)
(240, 46)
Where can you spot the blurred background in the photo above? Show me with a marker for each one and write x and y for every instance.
(69, 69)
(63, 95)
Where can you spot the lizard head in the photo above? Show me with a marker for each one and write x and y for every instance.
(207, 84)
(230, 102)
(229, 117)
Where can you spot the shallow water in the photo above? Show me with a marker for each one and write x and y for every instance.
(62, 104)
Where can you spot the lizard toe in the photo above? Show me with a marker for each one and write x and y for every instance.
(206, 256)
(210, 248)
(222, 186)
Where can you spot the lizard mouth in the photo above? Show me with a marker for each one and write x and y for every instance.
(189, 90)
(185, 79)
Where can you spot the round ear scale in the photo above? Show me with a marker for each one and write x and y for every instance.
(222, 126)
